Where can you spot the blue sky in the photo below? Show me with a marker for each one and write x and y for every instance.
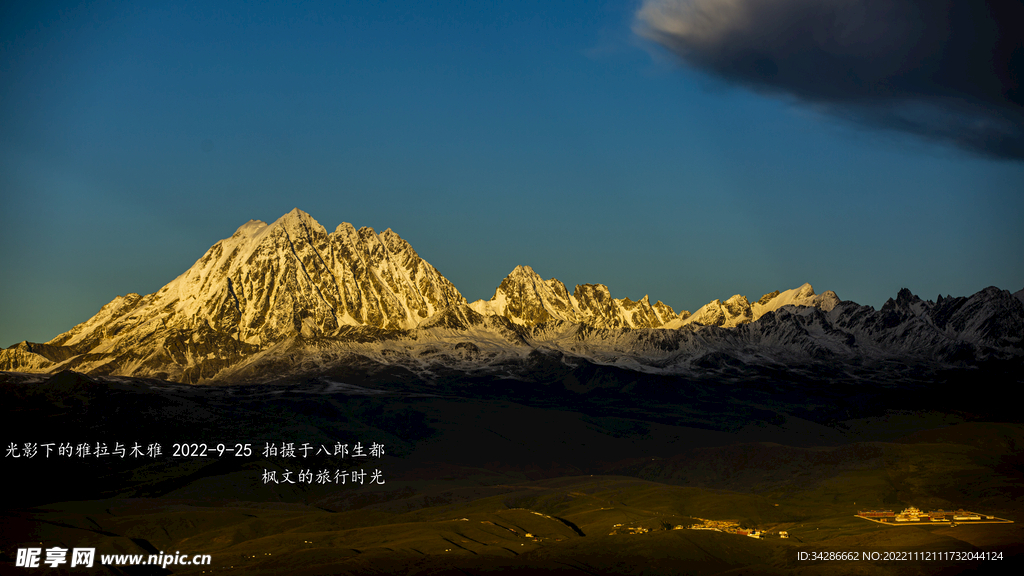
(488, 134)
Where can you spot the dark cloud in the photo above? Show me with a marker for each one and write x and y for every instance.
(947, 70)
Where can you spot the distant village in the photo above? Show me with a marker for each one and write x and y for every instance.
(726, 526)
(914, 516)
(909, 517)
(730, 527)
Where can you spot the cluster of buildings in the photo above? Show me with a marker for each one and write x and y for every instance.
(725, 526)
(913, 514)
(620, 529)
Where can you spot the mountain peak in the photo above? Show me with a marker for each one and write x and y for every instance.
(345, 229)
(739, 299)
(264, 285)
(523, 271)
(395, 243)
(249, 229)
(599, 291)
(297, 220)
(525, 298)
(906, 296)
(523, 277)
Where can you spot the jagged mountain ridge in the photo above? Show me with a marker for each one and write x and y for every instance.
(526, 299)
(289, 298)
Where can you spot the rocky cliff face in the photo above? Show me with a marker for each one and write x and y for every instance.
(288, 298)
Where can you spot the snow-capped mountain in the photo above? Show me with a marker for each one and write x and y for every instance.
(526, 299)
(738, 310)
(290, 299)
(263, 284)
